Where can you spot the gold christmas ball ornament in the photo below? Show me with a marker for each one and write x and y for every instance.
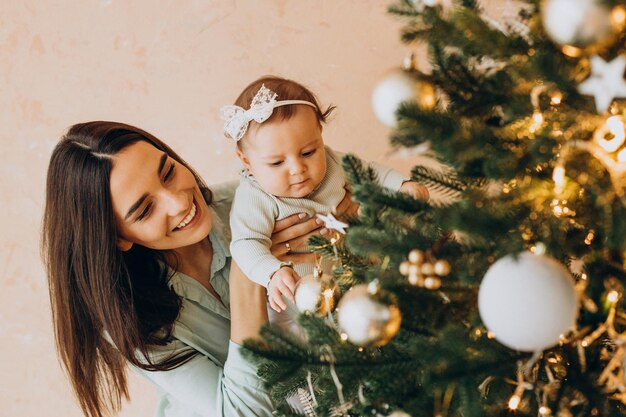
(611, 135)
(587, 25)
(442, 267)
(432, 283)
(401, 85)
(404, 268)
(316, 295)
(423, 270)
(416, 256)
(365, 319)
(427, 268)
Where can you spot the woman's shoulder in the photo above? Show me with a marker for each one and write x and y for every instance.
(224, 192)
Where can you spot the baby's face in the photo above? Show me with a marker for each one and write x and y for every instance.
(287, 157)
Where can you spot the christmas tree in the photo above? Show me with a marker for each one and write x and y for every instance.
(506, 297)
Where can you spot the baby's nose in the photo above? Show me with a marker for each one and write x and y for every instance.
(296, 167)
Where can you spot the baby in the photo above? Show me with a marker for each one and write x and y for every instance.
(277, 124)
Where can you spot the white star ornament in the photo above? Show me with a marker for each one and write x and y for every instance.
(332, 223)
(606, 81)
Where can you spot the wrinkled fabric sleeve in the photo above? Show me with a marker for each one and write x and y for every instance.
(252, 221)
(208, 390)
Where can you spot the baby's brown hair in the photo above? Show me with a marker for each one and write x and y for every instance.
(286, 90)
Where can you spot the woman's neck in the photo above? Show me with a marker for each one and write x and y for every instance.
(195, 260)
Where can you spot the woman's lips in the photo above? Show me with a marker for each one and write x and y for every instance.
(193, 220)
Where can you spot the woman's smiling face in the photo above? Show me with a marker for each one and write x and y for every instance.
(156, 200)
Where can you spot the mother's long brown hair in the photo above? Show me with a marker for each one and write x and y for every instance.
(108, 306)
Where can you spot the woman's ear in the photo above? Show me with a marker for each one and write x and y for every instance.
(124, 244)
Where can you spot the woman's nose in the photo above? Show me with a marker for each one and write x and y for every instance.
(177, 202)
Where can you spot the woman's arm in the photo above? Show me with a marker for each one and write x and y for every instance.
(248, 306)
(203, 388)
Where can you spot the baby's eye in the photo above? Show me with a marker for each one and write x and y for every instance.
(308, 153)
(275, 164)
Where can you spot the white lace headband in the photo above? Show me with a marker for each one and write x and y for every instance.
(236, 119)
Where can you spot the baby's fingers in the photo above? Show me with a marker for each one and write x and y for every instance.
(275, 306)
(277, 302)
(287, 291)
(290, 281)
(423, 194)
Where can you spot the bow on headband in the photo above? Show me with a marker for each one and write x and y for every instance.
(237, 119)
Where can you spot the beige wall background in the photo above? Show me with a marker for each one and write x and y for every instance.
(166, 66)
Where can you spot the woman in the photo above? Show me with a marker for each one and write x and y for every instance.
(139, 273)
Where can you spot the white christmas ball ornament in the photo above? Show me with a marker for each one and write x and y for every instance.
(528, 302)
(365, 319)
(580, 23)
(396, 87)
(316, 294)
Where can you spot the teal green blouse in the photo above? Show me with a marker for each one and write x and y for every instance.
(218, 381)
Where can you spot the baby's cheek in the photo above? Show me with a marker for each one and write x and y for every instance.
(273, 184)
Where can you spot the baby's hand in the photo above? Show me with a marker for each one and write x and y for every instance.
(283, 282)
(415, 190)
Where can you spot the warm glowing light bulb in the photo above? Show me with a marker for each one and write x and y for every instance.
(539, 248)
(611, 135)
(618, 16)
(559, 178)
(612, 296)
(427, 96)
(537, 120)
(545, 411)
(556, 99)
(571, 51)
(514, 402)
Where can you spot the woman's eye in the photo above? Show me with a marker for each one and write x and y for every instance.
(169, 172)
(275, 164)
(145, 212)
(308, 153)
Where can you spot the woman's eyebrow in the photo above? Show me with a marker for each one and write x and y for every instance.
(162, 163)
(137, 203)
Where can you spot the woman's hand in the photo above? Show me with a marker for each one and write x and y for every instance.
(415, 190)
(294, 231)
(346, 208)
